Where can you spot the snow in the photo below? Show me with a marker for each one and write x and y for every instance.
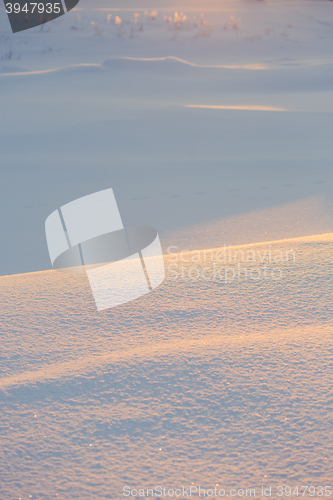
(215, 133)
(201, 382)
(111, 110)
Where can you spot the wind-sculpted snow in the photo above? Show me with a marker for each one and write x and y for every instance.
(203, 381)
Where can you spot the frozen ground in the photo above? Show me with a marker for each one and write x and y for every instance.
(202, 381)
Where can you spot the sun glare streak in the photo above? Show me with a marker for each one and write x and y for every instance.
(143, 59)
(254, 66)
(244, 107)
(251, 67)
(51, 70)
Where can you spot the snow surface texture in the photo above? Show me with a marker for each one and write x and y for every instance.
(97, 121)
(201, 382)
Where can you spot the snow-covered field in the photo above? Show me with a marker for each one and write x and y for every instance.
(201, 382)
(215, 129)
(125, 124)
